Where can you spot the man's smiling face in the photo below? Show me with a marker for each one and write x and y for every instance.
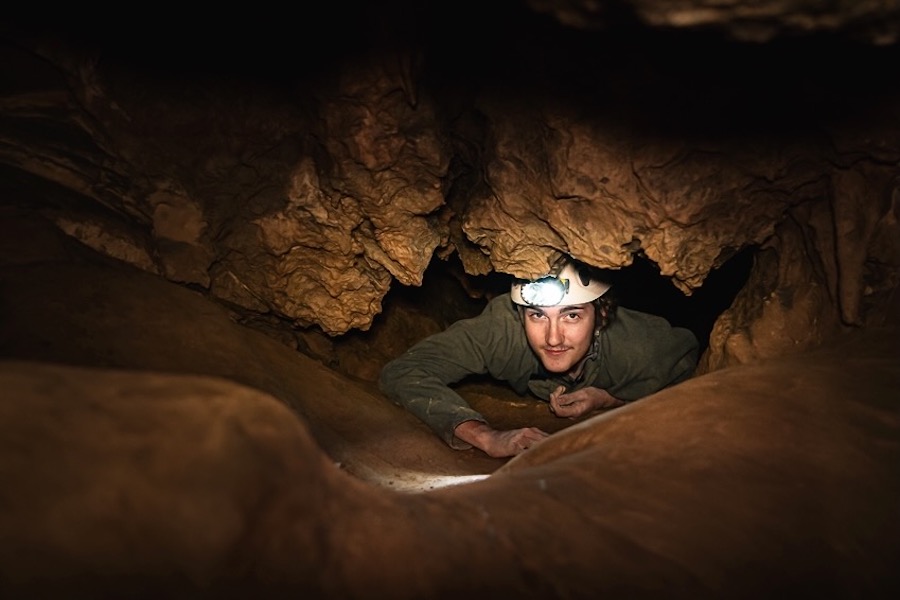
(560, 335)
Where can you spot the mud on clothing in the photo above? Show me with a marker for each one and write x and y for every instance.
(636, 355)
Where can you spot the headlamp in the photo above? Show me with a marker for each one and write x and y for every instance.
(546, 291)
(571, 285)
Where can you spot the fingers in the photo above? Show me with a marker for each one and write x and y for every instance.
(535, 434)
(555, 397)
(558, 393)
(565, 405)
(581, 402)
(612, 403)
(572, 409)
(532, 439)
(528, 438)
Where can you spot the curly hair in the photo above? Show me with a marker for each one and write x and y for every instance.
(604, 311)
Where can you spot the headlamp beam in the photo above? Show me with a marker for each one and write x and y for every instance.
(545, 291)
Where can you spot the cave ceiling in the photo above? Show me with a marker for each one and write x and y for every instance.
(299, 168)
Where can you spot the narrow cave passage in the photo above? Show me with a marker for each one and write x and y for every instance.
(641, 287)
(448, 294)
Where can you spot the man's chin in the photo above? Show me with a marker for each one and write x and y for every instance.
(557, 367)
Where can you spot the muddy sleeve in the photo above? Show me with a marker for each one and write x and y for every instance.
(419, 380)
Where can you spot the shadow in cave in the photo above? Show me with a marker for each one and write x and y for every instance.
(641, 287)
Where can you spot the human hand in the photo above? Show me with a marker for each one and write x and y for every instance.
(499, 443)
(581, 402)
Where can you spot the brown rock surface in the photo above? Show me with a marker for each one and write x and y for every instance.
(301, 187)
(759, 21)
(151, 446)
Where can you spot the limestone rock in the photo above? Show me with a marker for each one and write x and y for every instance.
(149, 446)
(301, 191)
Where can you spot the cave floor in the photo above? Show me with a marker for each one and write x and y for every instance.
(414, 460)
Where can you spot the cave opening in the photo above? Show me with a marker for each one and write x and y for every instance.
(641, 287)
(448, 294)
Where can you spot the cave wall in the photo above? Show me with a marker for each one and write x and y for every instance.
(299, 186)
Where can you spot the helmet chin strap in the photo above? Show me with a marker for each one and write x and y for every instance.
(598, 329)
(593, 352)
(576, 372)
(595, 345)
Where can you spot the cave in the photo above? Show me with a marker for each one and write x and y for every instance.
(216, 229)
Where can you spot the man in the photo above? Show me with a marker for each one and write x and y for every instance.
(556, 337)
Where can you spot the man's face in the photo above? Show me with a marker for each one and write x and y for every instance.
(560, 335)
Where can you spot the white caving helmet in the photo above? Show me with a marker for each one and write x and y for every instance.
(571, 284)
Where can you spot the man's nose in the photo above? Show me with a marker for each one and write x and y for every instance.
(554, 334)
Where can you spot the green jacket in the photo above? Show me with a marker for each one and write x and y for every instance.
(636, 355)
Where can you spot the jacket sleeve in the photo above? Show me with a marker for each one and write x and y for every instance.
(419, 380)
(644, 354)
